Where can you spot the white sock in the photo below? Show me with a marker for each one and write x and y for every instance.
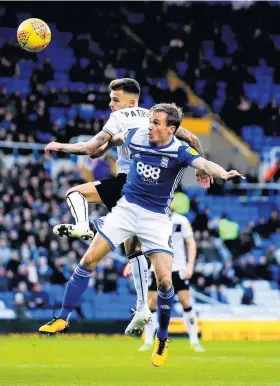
(150, 329)
(140, 271)
(190, 320)
(79, 208)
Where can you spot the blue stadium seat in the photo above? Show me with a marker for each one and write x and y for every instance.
(182, 68)
(88, 310)
(62, 76)
(8, 298)
(55, 113)
(86, 112)
(121, 72)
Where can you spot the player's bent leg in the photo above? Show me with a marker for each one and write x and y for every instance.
(76, 286)
(190, 320)
(162, 263)
(140, 319)
(139, 270)
(150, 329)
(89, 191)
(78, 198)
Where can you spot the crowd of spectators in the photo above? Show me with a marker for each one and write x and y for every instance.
(128, 43)
(30, 254)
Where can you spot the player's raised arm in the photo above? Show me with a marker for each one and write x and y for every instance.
(213, 169)
(81, 148)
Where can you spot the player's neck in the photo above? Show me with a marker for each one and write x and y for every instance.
(163, 143)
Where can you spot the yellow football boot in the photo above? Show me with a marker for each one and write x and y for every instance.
(55, 326)
(160, 352)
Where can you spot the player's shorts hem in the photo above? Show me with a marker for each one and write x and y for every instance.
(96, 223)
(158, 250)
(102, 234)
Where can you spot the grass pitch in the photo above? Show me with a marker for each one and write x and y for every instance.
(69, 360)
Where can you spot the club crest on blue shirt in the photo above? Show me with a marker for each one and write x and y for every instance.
(164, 162)
(137, 155)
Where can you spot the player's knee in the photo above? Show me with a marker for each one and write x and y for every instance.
(164, 284)
(185, 303)
(88, 261)
(152, 303)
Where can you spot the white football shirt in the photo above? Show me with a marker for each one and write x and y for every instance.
(122, 121)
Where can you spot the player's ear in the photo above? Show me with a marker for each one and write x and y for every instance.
(132, 102)
(172, 129)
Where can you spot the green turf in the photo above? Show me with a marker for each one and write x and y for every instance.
(116, 361)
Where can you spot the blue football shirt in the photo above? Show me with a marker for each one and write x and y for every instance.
(155, 172)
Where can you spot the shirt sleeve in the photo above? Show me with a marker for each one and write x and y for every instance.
(112, 126)
(186, 228)
(187, 154)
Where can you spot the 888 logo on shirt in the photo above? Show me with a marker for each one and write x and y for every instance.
(148, 172)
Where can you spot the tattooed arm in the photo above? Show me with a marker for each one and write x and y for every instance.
(192, 139)
(185, 135)
(81, 148)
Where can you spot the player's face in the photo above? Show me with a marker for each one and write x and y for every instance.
(121, 100)
(159, 133)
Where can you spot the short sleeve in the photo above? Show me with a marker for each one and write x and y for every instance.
(187, 154)
(112, 126)
(128, 136)
(186, 229)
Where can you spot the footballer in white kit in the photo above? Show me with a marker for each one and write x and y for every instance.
(184, 248)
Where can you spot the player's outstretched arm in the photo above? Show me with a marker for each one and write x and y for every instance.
(213, 169)
(185, 135)
(81, 148)
(117, 140)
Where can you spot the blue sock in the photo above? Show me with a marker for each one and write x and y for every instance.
(75, 287)
(165, 300)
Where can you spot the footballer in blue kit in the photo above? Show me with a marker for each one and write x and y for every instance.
(155, 172)
(158, 164)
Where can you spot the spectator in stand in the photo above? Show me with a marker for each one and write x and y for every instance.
(3, 279)
(273, 224)
(248, 294)
(261, 228)
(218, 293)
(37, 298)
(20, 301)
(200, 223)
(110, 276)
(262, 269)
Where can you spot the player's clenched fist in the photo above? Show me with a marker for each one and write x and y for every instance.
(53, 146)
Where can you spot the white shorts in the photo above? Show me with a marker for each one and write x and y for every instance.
(154, 230)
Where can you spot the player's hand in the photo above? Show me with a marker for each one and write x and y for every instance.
(53, 146)
(204, 180)
(231, 174)
(127, 270)
(188, 272)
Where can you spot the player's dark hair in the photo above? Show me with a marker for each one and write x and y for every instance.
(173, 112)
(128, 85)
